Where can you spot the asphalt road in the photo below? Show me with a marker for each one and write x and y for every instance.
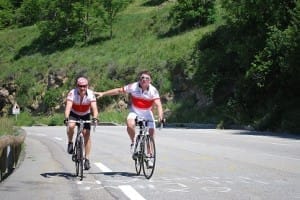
(191, 164)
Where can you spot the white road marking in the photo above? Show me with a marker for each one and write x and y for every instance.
(40, 134)
(58, 138)
(102, 167)
(130, 192)
(275, 143)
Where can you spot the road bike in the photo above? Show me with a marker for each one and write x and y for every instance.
(78, 149)
(144, 153)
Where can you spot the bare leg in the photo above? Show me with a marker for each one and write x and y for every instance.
(70, 132)
(151, 132)
(131, 129)
(87, 143)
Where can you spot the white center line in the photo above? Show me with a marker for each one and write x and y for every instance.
(130, 192)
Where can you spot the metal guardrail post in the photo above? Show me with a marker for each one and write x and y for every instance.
(10, 149)
(3, 160)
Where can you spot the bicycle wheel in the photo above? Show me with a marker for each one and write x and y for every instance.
(149, 157)
(76, 160)
(138, 158)
(80, 156)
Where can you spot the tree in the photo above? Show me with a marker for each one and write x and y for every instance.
(6, 13)
(192, 13)
(249, 66)
(66, 22)
(112, 8)
(29, 13)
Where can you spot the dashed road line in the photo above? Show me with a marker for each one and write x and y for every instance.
(128, 190)
(102, 167)
(58, 138)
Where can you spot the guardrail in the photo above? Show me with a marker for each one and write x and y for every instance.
(10, 150)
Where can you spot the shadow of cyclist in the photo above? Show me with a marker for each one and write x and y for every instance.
(112, 174)
(58, 174)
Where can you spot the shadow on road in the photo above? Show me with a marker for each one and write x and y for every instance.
(58, 174)
(272, 134)
(112, 174)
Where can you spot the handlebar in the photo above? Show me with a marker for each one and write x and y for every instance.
(142, 121)
(84, 122)
(81, 121)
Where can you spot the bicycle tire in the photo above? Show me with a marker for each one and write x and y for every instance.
(76, 160)
(149, 145)
(138, 160)
(80, 160)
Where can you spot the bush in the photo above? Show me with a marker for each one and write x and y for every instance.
(192, 13)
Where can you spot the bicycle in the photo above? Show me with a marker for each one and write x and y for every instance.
(144, 149)
(78, 150)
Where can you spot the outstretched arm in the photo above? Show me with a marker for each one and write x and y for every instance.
(111, 92)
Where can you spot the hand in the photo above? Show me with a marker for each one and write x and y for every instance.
(162, 121)
(94, 121)
(99, 94)
(66, 121)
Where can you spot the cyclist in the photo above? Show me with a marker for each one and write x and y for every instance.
(79, 104)
(143, 96)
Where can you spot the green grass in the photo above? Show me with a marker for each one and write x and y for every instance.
(136, 45)
(114, 116)
(6, 126)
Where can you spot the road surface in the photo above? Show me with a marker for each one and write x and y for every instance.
(205, 164)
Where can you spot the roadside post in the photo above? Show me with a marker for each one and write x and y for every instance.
(16, 110)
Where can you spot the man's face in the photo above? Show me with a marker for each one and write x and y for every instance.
(82, 88)
(145, 80)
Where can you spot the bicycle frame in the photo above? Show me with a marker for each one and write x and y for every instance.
(144, 150)
(77, 156)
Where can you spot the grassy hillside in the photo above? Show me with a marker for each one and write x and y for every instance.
(245, 77)
(136, 45)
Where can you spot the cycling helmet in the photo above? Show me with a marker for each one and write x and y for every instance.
(82, 81)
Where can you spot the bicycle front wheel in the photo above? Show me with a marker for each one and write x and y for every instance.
(81, 157)
(138, 165)
(149, 157)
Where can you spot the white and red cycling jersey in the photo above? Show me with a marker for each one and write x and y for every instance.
(81, 106)
(141, 99)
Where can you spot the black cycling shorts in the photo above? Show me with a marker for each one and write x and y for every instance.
(74, 116)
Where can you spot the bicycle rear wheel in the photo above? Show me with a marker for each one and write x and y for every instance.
(138, 157)
(149, 157)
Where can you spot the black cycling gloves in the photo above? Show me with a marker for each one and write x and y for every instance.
(66, 120)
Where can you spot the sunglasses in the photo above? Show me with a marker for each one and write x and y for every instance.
(145, 78)
(82, 86)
